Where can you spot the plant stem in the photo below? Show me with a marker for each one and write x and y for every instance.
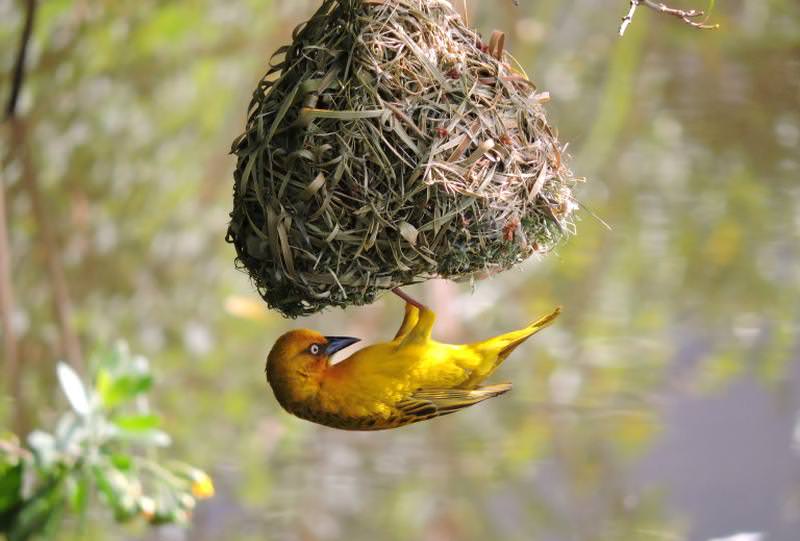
(7, 305)
(19, 64)
(70, 344)
(7, 308)
(688, 16)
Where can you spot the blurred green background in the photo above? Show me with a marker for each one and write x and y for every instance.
(663, 405)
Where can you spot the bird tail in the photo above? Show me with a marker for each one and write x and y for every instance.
(506, 343)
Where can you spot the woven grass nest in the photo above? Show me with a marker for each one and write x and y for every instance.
(387, 144)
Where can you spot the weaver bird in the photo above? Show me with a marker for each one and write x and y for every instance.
(390, 384)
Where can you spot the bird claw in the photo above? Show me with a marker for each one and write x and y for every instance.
(409, 299)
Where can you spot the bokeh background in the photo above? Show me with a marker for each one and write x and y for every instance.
(665, 403)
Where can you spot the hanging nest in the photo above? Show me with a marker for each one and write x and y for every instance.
(387, 144)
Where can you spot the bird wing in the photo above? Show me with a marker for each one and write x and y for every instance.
(425, 404)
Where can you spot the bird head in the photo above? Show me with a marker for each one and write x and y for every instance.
(298, 360)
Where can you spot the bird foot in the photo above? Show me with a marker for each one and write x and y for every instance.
(408, 298)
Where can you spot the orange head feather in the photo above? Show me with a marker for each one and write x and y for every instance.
(297, 362)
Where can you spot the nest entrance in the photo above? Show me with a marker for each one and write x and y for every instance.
(387, 144)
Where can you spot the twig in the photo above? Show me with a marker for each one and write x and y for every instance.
(19, 64)
(13, 368)
(626, 20)
(70, 344)
(7, 308)
(688, 16)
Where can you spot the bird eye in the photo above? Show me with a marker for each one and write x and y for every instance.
(314, 349)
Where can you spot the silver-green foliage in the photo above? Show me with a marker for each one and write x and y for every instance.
(104, 445)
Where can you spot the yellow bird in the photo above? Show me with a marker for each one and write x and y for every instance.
(391, 384)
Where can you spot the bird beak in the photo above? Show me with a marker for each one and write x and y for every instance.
(338, 343)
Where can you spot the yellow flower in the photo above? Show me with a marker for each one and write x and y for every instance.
(202, 485)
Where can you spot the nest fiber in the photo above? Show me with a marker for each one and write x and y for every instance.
(388, 144)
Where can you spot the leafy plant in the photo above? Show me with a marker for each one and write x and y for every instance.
(104, 447)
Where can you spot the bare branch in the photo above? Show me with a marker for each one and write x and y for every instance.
(18, 133)
(13, 367)
(688, 16)
(70, 344)
(18, 76)
(7, 309)
(626, 20)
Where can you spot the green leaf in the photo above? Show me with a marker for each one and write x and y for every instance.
(70, 432)
(103, 382)
(10, 488)
(121, 461)
(114, 487)
(78, 492)
(124, 388)
(137, 423)
(73, 389)
(101, 480)
(156, 438)
(39, 513)
(43, 445)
